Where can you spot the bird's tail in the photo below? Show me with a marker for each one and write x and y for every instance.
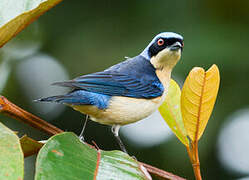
(73, 98)
(57, 99)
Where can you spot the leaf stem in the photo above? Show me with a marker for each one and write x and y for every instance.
(11, 110)
(194, 159)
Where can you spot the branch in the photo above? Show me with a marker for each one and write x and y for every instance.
(11, 110)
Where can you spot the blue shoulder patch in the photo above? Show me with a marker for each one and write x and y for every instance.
(81, 97)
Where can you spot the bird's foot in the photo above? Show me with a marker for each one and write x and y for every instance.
(82, 139)
(133, 157)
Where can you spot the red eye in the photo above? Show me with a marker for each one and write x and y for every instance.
(160, 42)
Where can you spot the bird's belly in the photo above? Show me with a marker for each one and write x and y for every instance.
(122, 110)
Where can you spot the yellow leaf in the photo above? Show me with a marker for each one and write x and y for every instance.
(14, 17)
(171, 112)
(197, 100)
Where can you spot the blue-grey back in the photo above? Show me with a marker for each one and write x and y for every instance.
(135, 77)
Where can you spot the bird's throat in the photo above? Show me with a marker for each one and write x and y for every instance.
(166, 59)
(164, 76)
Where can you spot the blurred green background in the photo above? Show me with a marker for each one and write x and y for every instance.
(79, 37)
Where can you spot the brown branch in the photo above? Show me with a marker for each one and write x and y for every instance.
(11, 110)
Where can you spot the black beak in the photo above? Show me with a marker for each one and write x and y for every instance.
(176, 46)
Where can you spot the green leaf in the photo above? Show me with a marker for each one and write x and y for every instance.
(30, 146)
(120, 165)
(171, 112)
(64, 157)
(15, 15)
(11, 156)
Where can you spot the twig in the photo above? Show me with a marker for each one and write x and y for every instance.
(196, 164)
(161, 173)
(194, 159)
(10, 109)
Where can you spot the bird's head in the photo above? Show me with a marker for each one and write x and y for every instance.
(164, 50)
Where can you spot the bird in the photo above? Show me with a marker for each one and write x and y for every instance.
(128, 91)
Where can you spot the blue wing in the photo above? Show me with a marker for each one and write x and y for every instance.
(134, 77)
